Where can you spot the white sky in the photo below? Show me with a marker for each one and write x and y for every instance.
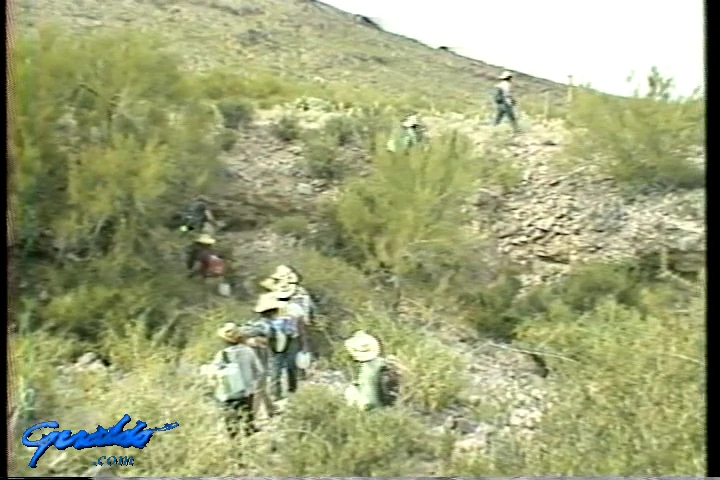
(600, 42)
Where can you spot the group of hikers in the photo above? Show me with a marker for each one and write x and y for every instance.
(276, 344)
(413, 131)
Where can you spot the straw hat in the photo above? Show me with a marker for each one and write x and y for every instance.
(268, 301)
(363, 347)
(205, 239)
(230, 332)
(411, 121)
(269, 284)
(505, 75)
(285, 290)
(283, 272)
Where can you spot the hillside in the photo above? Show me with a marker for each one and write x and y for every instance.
(299, 39)
(545, 292)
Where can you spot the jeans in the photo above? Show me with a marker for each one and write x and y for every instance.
(506, 110)
(284, 361)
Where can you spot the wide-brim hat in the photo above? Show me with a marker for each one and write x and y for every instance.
(268, 301)
(285, 290)
(362, 346)
(205, 239)
(286, 274)
(230, 332)
(411, 121)
(269, 284)
(505, 75)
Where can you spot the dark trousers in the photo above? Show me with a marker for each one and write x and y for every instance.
(506, 110)
(238, 412)
(284, 361)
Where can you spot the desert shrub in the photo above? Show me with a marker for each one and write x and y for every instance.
(410, 202)
(646, 139)
(295, 225)
(236, 112)
(320, 436)
(320, 153)
(227, 139)
(497, 169)
(103, 154)
(341, 129)
(287, 128)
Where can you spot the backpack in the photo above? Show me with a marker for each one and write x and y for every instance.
(230, 382)
(215, 266)
(390, 381)
(282, 330)
(193, 216)
(499, 95)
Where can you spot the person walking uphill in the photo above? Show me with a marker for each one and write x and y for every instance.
(203, 260)
(286, 338)
(505, 102)
(237, 371)
(377, 380)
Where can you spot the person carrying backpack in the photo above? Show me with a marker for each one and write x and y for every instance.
(286, 338)
(377, 380)
(237, 371)
(203, 260)
(197, 217)
(257, 333)
(504, 101)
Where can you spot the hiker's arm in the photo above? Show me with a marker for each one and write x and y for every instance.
(303, 334)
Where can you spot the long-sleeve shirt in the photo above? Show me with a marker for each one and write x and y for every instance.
(505, 89)
(250, 365)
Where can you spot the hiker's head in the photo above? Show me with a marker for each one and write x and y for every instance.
(268, 305)
(284, 273)
(506, 75)
(412, 121)
(363, 347)
(285, 290)
(205, 239)
(230, 333)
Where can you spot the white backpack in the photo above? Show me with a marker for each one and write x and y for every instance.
(230, 381)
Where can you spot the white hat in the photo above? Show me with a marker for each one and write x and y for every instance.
(363, 347)
(267, 301)
(205, 239)
(505, 75)
(229, 332)
(411, 121)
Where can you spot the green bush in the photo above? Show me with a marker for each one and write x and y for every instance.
(646, 139)
(287, 128)
(320, 436)
(295, 225)
(227, 139)
(236, 112)
(409, 203)
(342, 129)
(321, 157)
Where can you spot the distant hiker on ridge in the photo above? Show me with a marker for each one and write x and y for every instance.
(504, 101)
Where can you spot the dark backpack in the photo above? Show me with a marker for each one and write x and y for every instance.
(390, 381)
(193, 216)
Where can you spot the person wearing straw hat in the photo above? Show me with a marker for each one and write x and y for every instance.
(288, 275)
(257, 332)
(284, 341)
(365, 349)
(202, 258)
(504, 100)
(237, 405)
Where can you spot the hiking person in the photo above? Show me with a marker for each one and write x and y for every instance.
(256, 334)
(413, 133)
(197, 217)
(292, 305)
(237, 371)
(203, 260)
(286, 338)
(284, 274)
(504, 101)
(377, 380)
